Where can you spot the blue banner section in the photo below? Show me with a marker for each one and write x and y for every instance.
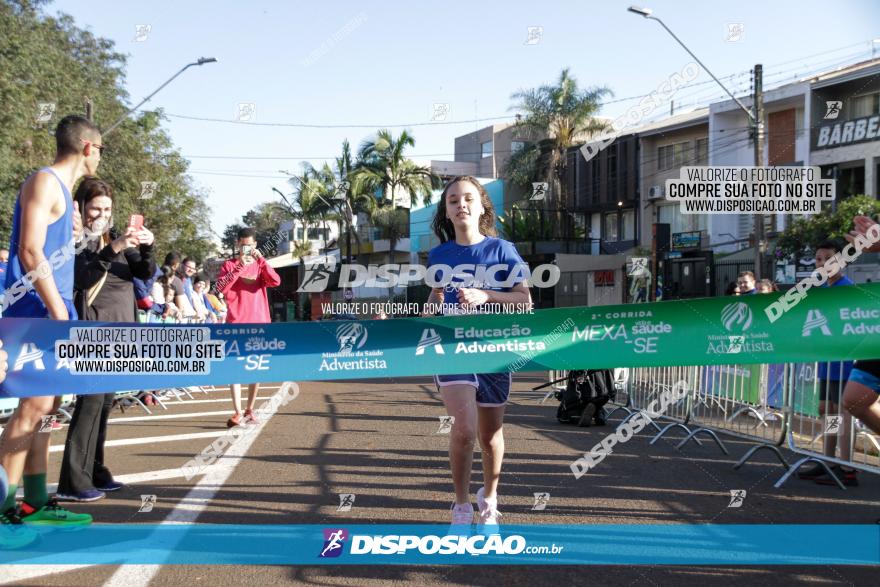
(712, 544)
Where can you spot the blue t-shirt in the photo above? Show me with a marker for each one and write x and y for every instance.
(835, 374)
(491, 264)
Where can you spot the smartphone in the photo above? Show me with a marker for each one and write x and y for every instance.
(247, 250)
(136, 221)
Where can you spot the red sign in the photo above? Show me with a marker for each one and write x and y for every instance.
(603, 278)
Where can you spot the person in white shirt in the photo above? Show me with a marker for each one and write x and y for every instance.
(198, 299)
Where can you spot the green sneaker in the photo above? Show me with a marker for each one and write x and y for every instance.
(52, 514)
(14, 534)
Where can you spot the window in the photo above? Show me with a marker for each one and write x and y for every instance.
(629, 225)
(681, 153)
(867, 105)
(665, 157)
(702, 154)
(679, 222)
(611, 228)
(594, 170)
(612, 173)
(486, 149)
(669, 156)
(314, 233)
(517, 146)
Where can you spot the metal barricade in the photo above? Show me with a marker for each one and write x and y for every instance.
(772, 406)
(7, 407)
(647, 384)
(820, 430)
(741, 401)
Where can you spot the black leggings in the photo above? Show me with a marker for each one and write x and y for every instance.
(83, 465)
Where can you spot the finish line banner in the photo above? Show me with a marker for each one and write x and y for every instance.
(53, 358)
(352, 544)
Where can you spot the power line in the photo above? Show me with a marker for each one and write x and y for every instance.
(260, 174)
(413, 156)
(809, 70)
(331, 157)
(305, 125)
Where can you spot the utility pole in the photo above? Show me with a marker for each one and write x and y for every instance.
(755, 118)
(89, 110)
(758, 138)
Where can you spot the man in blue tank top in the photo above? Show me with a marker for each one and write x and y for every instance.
(39, 284)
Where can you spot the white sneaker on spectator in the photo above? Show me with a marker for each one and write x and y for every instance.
(489, 513)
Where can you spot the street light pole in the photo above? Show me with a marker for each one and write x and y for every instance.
(201, 61)
(756, 122)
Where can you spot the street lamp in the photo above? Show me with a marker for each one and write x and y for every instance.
(201, 61)
(755, 122)
(283, 197)
(647, 13)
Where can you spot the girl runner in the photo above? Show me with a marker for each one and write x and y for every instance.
(465, 225)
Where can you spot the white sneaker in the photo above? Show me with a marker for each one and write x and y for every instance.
(462, 514)
(489, 513)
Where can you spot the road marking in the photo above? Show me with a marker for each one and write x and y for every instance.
(152, 439)
(168, 416)
(188, 509)
(170, 401)
(131, 478)
(195, 501)
(13, 573)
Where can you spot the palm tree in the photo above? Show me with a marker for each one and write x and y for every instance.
(565, 115)
(350, 201)
(300, 251)
(394, 223)
(382, 166)
(310, 203)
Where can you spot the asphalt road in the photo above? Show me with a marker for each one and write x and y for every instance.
(379, 440)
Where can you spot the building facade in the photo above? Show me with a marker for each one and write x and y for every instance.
(606, 190)
(845, 128)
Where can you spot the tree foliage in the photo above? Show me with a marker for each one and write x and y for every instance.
(384, 168)
(48, 59)
(806, 233)
(559, 116)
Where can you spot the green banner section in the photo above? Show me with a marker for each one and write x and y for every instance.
(829, 324)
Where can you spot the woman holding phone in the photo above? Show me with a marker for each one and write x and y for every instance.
(103, 291)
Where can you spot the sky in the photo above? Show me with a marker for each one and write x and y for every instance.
(370, 65)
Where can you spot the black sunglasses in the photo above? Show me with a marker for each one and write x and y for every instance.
(95, 145)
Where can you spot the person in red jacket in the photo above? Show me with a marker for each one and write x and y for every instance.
(243, 282)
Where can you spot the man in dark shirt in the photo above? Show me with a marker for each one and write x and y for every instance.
(831, 378)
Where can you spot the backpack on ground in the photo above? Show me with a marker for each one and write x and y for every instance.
(586, 392)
